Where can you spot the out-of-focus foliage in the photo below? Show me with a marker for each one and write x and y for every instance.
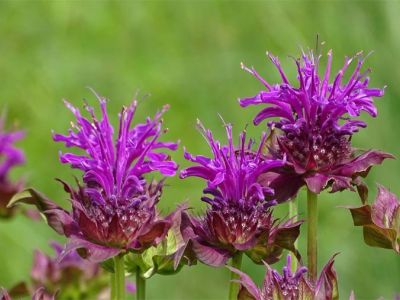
(188, 54)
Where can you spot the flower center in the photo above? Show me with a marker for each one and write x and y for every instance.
(233, 224)
(314, 150)
(115, 224)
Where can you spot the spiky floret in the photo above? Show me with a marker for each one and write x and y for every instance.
(116, 205)
(114, 210)
(314, 121)
(238, 213)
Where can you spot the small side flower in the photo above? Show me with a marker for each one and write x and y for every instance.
(290, 285)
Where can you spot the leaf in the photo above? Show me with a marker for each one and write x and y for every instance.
(108, 265)
(19, 290)
(32, 197)
(361, 215)
(268, 253)
(374, 235)
(287, 236)
(362, 189)
(158, 259)
(380, 237)
(56, 217)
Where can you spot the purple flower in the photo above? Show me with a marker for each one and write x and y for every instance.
(61, 275)
(381, 221)
(289, 286)
(50, 272)
(238, 217)
(114, 210)
(55, 275)
(10, 156)
(312, 125)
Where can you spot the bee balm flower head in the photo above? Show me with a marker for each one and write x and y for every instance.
(114, 209)
(314, 122)
(238, 216)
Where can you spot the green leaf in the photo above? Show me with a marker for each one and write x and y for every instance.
(28, 196)
(268, 253)
(108, 265)
(157, 259)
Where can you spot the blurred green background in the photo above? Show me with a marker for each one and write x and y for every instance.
(187, 54)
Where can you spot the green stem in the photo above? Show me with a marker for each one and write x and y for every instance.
(293, 215)
(140, 286)
(312, 219)
(113, 286)
(119, 281)
(234, 286)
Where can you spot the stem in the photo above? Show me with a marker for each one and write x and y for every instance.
(234, 286)
(312, 212)
(119, 281)
(140, 286)
(113, 286)
(293, 215)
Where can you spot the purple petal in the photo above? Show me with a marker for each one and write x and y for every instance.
(285, 185)
(247, 283)
(362, 163)
(327, 285)
(210, 256)
(386, 208)
(317, 182)
(90, 251)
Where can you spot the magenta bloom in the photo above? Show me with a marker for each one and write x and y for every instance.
(313, 124)
(114, 210)
(56, 276)
(10, 156)
(53, 272)
(381, 221)
(289, 286)
(238, 217)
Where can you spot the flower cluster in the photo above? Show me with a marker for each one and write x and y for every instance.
(238, 217)
(114, 218)
(10, 156)
(314, 125)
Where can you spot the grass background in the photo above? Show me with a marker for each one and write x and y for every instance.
(187, 54)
